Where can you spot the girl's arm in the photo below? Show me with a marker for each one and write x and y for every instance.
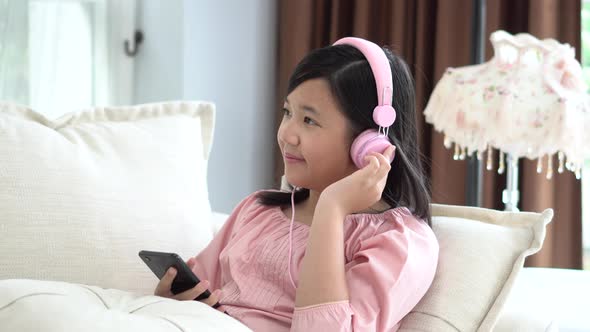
(322, 277)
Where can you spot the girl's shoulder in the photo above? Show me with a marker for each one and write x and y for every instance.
(250, 202)
(397, 225)
(395, 218)
(250, 206)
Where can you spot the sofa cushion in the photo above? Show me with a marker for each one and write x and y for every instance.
(481, 253)
(49, 306)
(80, 196)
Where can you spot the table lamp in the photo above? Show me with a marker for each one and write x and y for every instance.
(528, 101)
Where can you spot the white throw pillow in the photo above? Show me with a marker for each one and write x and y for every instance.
(80, 196)
(481, 253)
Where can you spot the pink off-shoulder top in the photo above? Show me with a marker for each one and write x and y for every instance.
(391, 260)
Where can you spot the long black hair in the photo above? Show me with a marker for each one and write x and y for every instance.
(353, 85)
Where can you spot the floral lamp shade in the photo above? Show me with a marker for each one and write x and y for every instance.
(528, 101)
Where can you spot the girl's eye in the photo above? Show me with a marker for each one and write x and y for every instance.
(309, 120)
(286, 112)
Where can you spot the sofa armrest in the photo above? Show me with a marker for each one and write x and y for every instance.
(545, 299)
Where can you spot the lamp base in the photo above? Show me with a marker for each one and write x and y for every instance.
(510, 195)
(510, 200)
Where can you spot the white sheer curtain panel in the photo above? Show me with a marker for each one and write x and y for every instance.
(63, 55)
(14, 80)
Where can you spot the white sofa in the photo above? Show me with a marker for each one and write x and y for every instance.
(545, 299)
(81, 195)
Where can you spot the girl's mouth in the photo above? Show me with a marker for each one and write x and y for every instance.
(292, 159)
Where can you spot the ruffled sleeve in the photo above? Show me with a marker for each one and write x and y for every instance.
(207, 265)
(390, 271)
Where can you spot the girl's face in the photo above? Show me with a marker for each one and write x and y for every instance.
(314, 137)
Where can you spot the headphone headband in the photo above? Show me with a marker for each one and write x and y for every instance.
(379, 65)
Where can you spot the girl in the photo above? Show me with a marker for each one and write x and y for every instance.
(359, 253)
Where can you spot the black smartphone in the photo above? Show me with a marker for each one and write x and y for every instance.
(160, 262)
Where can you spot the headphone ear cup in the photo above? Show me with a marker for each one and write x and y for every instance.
(368, 141)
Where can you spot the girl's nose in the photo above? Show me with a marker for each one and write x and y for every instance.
(287, 134)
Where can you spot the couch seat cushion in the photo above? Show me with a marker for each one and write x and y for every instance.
(33, 305)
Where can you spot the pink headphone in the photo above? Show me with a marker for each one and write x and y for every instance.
(372, 140)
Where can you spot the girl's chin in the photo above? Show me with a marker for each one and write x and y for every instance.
(293, 181)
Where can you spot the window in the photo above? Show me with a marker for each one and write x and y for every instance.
(64, 55)
(586, 170)
(60, 56)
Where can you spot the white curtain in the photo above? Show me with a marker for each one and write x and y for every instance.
(69, 53)
(14, 80)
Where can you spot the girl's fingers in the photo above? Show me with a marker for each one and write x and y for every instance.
(377, 172)
(163, 287)
(214, 298)
(383, 163)
(378, 167)
(373, 163)
(194, 292)
(389, 153)
(190, 263)
(382, 159)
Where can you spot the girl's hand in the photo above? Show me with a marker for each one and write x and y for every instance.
(362, 188)
(164, 288)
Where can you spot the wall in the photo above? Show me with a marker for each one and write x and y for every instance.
(220, 51)
(159, 64)
(229, 59)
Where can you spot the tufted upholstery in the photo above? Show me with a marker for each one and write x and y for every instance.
(51, 306)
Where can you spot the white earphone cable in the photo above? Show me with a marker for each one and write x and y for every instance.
(291, 234)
